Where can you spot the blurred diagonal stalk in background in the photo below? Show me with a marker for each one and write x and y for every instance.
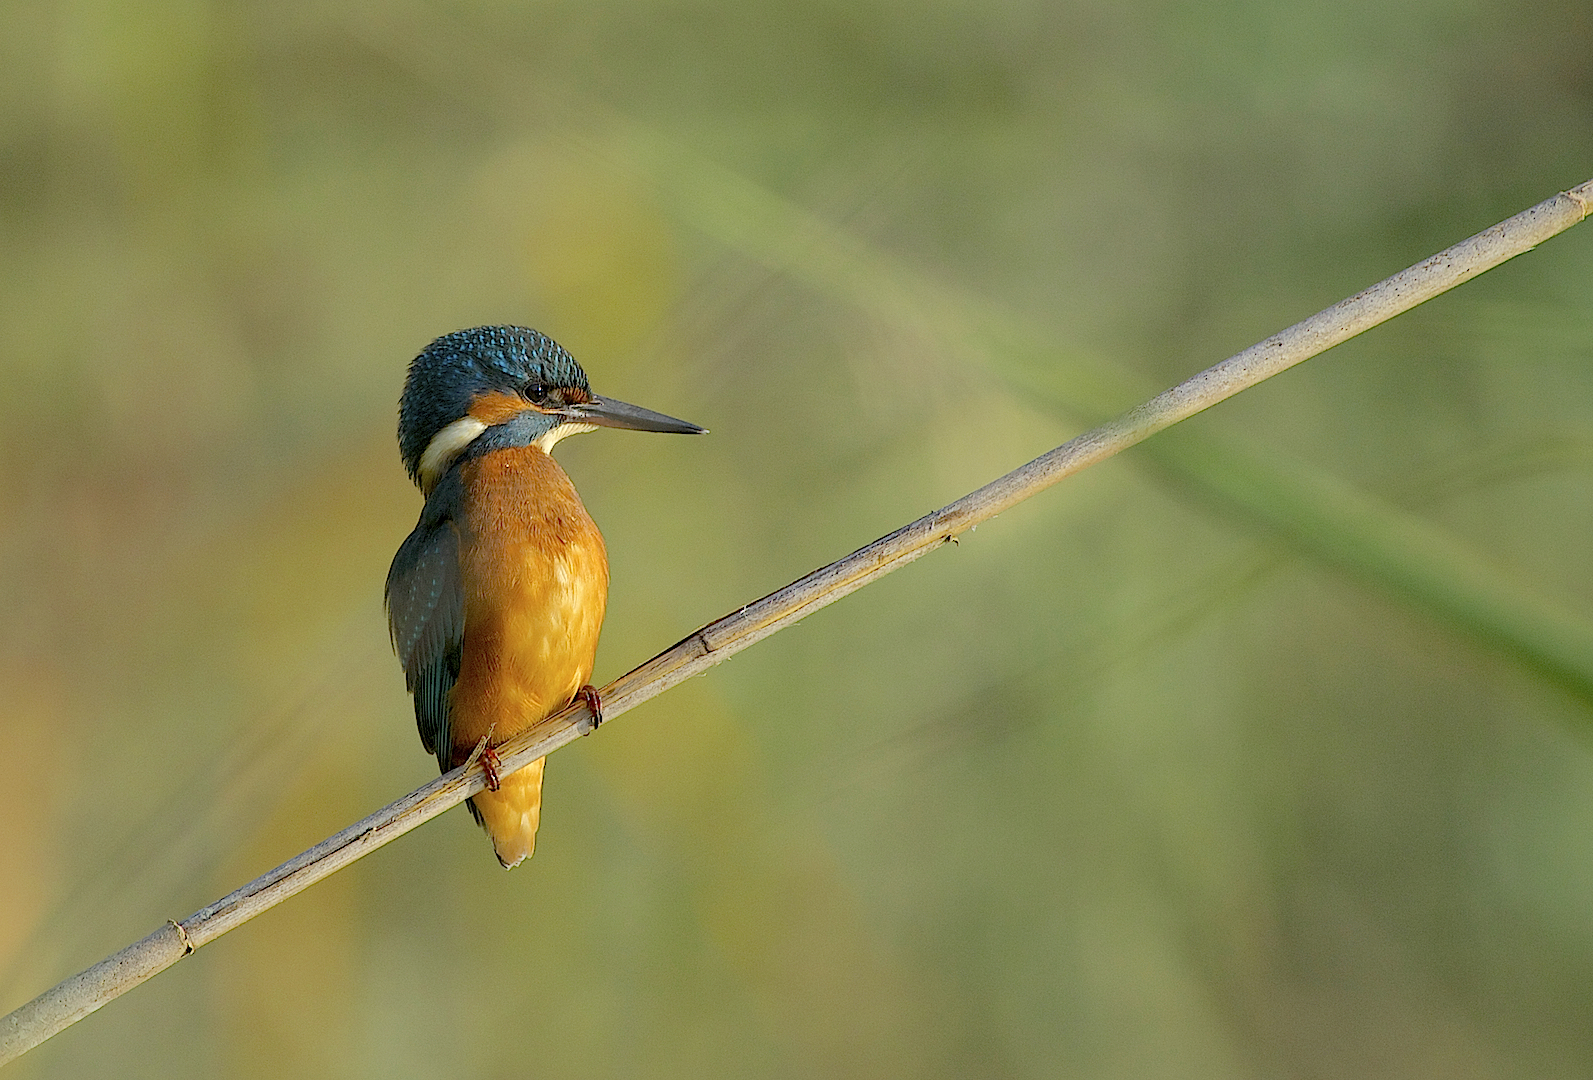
(1350, 530)
(1324, 517)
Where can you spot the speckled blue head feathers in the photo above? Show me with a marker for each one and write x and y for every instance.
(456, 367)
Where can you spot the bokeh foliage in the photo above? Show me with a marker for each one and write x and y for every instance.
(1128, 784)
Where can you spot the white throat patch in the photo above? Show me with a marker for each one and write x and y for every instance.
(451, 441)
(552, 438)
(446, 445)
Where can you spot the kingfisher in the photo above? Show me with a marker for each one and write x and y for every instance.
(496, 600)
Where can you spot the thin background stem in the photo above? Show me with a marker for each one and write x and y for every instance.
(85, 992)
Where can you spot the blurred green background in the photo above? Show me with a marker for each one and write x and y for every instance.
(1132, 783)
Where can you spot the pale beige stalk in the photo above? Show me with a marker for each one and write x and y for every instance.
(83, 993)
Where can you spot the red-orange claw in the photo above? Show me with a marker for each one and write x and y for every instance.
(594, 705)
(489, 768)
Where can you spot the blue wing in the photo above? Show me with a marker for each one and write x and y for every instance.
(426, 612)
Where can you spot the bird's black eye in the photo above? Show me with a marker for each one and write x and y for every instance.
(536, 393)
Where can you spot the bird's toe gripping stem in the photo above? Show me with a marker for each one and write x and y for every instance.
(489, 768)
(594, 705)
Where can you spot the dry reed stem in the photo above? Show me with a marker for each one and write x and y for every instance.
(85, 992)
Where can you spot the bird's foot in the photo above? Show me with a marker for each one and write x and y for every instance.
(594, 705)
(489, 768)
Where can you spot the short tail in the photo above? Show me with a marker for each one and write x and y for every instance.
(511, 814)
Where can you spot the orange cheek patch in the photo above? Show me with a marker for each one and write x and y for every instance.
(494, 407)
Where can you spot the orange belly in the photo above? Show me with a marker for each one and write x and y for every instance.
(536, 582)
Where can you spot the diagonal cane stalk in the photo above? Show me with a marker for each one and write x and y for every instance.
(87, 991)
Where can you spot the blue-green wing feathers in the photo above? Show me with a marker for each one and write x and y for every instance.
(425, 610)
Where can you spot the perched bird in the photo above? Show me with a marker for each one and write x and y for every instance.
(496, 599)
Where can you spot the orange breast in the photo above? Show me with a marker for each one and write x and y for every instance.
(536, 583)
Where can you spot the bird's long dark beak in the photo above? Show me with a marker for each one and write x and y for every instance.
(617, 414)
